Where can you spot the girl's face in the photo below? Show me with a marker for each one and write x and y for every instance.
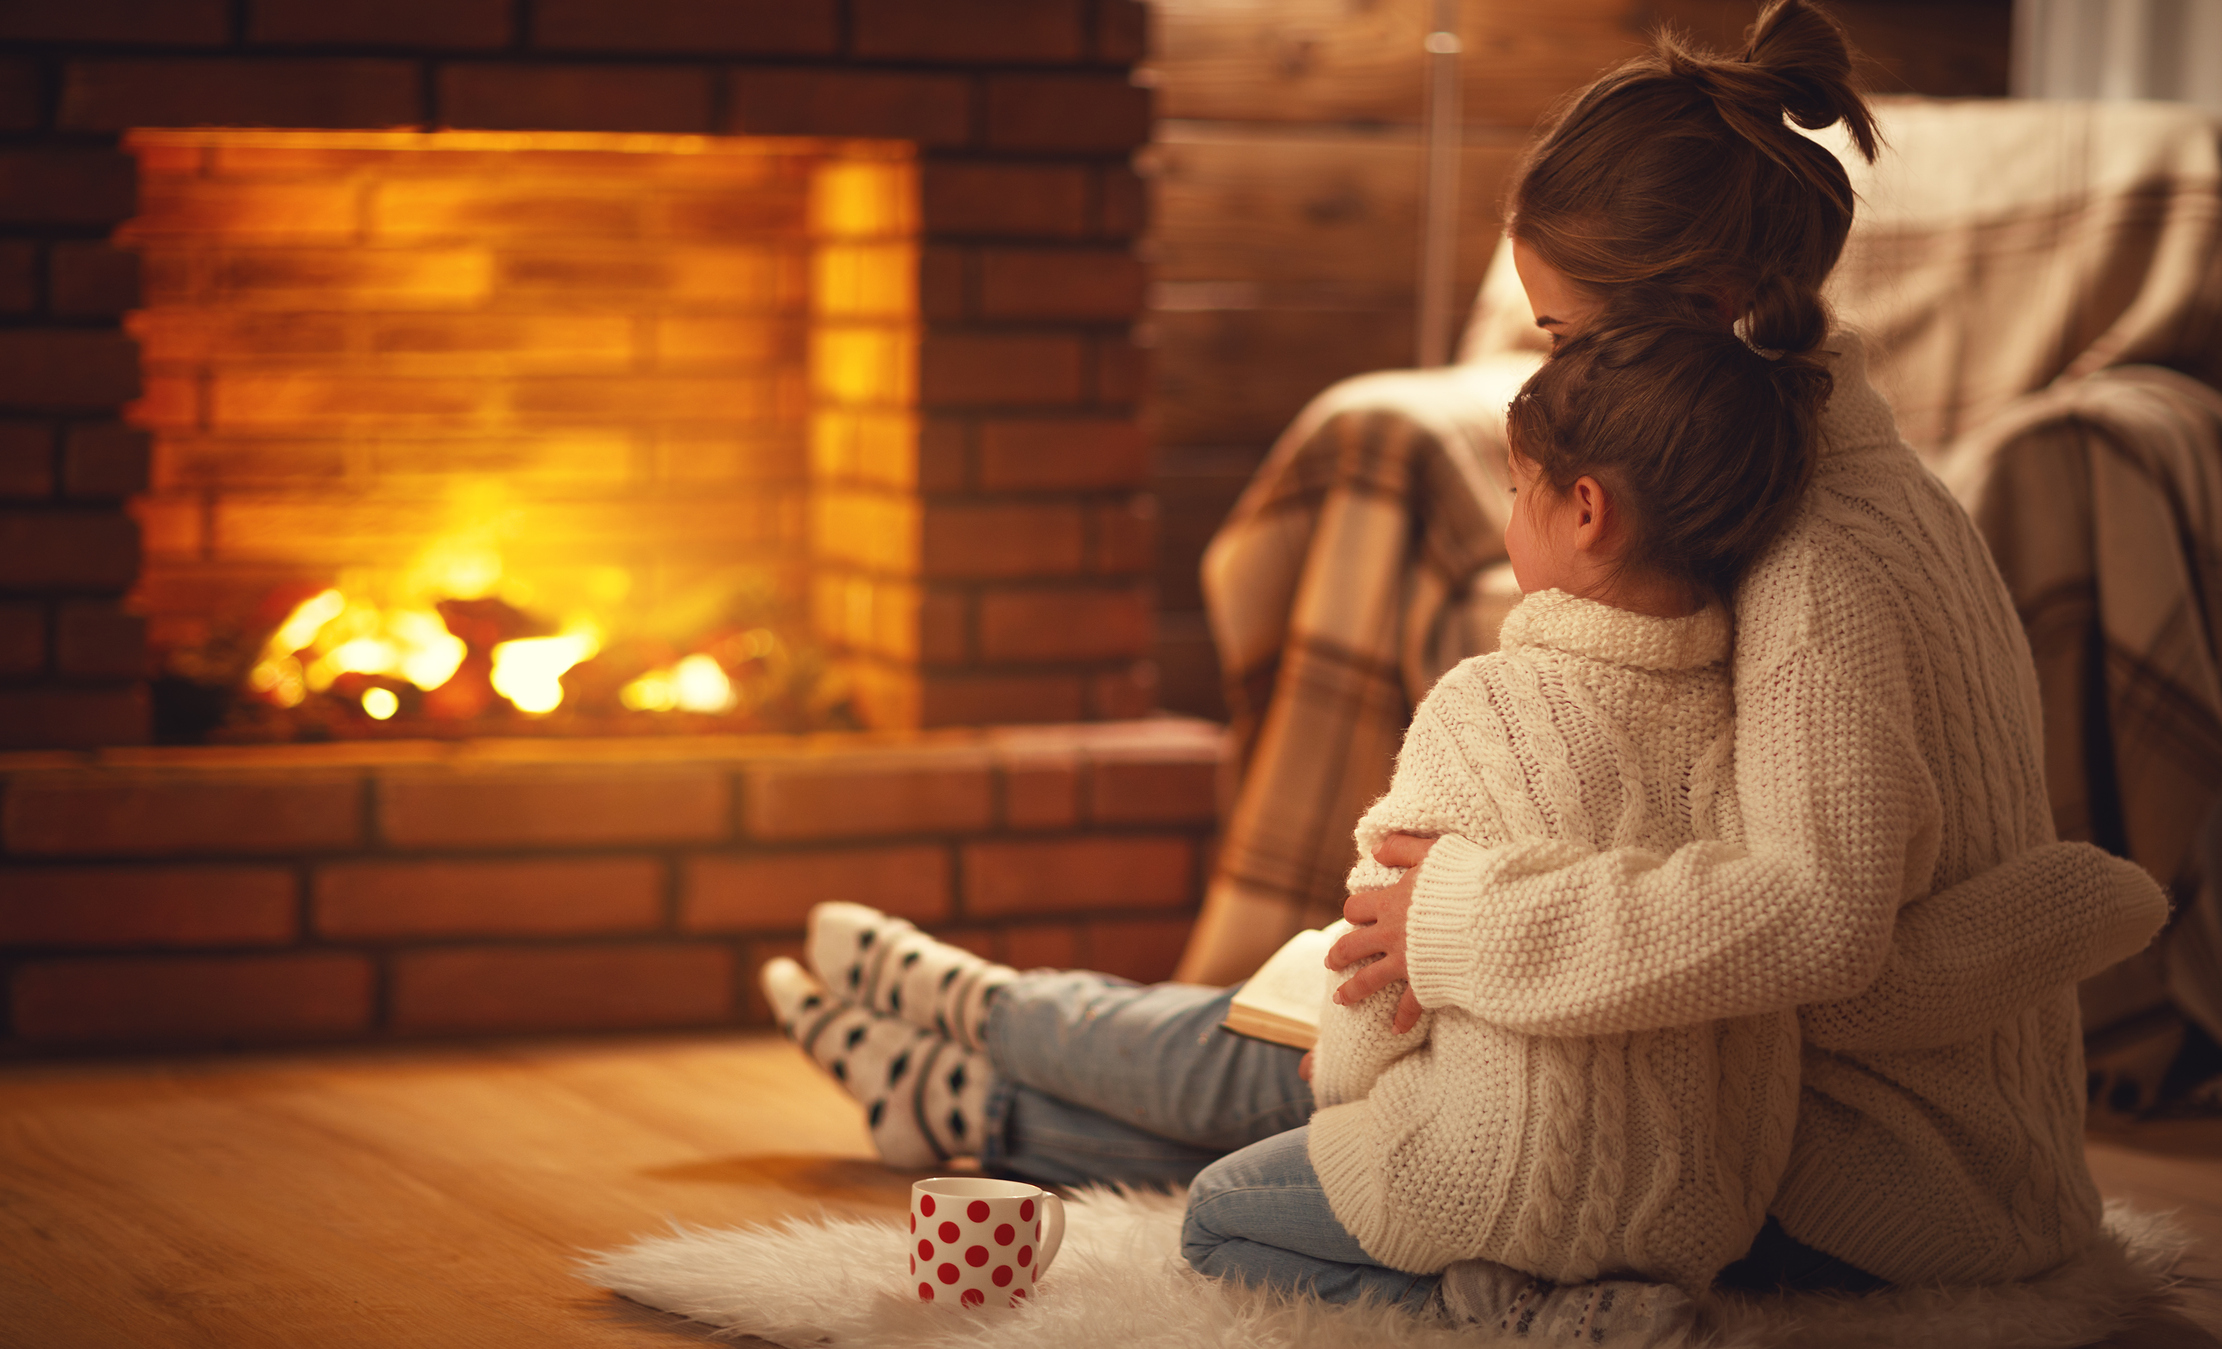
(1538, 538)
(1562, 307)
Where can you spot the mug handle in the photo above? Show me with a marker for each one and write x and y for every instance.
(1053, 1231)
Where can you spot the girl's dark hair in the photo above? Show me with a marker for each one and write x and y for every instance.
(1704, 443)
(1675, 172)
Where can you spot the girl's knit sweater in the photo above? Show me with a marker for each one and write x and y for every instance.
(1896, 879)
(1653, 1152)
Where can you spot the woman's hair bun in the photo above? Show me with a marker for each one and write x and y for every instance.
(1796, 62)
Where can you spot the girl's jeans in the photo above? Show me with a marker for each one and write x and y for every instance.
(1101, 1080)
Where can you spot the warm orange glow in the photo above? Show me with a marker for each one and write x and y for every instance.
(583, 376)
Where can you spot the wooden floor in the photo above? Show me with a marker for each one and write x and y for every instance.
(437, 1196)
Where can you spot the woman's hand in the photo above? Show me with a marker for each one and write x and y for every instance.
(1304, 1065)
(1380, 917)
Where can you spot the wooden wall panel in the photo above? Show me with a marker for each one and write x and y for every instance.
(1286, 177)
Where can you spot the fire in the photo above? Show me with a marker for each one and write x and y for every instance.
(696, 684)
(529, 671)
(343, 636)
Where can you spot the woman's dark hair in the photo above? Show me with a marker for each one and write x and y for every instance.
(1675, 173)
(1705, 443)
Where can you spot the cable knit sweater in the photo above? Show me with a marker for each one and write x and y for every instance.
(1897, 879)
(1654, 1151)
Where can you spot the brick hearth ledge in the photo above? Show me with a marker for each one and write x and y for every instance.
(244, 896)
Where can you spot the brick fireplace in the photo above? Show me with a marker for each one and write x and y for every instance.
(970, 538)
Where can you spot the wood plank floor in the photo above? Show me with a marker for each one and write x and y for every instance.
(437, 1196)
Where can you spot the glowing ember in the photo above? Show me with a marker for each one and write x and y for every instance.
(380, 703)
(696, 684)
(340, 636)
(529, 671)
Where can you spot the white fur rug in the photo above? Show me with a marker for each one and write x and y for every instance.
(1120, 1282)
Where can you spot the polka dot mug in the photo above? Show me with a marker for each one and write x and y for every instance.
(977, 1242)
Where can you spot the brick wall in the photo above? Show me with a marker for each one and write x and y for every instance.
(1019, 591)
(178, 897)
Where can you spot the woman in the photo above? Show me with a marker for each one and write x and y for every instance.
(1900, 883)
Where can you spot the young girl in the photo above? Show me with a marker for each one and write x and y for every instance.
(1652, 463)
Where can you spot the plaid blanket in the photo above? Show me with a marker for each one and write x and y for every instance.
(2002, 247)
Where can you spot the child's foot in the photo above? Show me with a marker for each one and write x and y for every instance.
(1617, 1312)
(924, 1097)
(888, 966)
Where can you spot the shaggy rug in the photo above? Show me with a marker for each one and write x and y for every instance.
(1120, 1281)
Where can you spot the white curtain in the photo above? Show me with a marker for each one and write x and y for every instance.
(2163, 49)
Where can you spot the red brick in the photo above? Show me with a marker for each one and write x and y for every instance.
(105, 460)
(20, 87)
(534, 898)
(858, 794)
(969, 30)
(69, 368)
(1125, 536)
(773, 892)
(576, 98)
(1043, 283)
(22, 639)
(1041, 791)
(1000, 540)
(1004, 200)
(96, 639)
(473, 808)
(957, 369)
(125, 811)
(1124, 694)
(53, 550)
(93, 280)
(1062, 454)
(187, 23)
(944, 454)
(19, 276)
(1147, 788)
(1125, 204)
(944, 288)
(1074, 874)
(1067, 112)
(1042, 946)
(988, 700)
(928, 109)
(1122, 31)
(945, 627)
(1122, 371)
(569, 988)
(66, 718)
(147, 906)
(392, 23)
(193, 1000)
(1145, 950)
(787, 27)
(1064, 624)
(68, 187)
(114, 95)
(26, 460)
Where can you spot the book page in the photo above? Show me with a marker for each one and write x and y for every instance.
(1289, 989)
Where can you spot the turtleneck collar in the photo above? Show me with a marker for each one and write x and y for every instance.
(1563, 622)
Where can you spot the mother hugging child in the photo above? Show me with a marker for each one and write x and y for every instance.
(1713, 928)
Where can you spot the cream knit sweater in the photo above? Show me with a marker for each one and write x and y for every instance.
(1654, 1151)
(1897, 880)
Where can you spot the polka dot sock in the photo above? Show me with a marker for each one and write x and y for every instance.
(1616, 1312)
(889, 966)
(924, 1097)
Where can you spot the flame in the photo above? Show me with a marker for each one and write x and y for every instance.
(380, 703)
(529, 671)
(696, 684)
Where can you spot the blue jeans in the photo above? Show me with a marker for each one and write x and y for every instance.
(1101, 1080)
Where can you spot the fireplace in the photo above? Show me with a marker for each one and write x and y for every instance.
(465, 433)
(699, 435)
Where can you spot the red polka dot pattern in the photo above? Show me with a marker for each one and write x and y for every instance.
(973, 1297)
(925, 1250)
(949, 1234)
(1025, 1211)
(1025, 1256)
(1004, 1234)
(1017, 1293)
(925, 1292)
(1002, 1276)
(976, 1256)
(914, 1224)
(947, 1273)
(978, 1211)
(926, 1205)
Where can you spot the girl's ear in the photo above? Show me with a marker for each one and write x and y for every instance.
(1591, 513)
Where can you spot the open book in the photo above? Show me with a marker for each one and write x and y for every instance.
(1282, 1000)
